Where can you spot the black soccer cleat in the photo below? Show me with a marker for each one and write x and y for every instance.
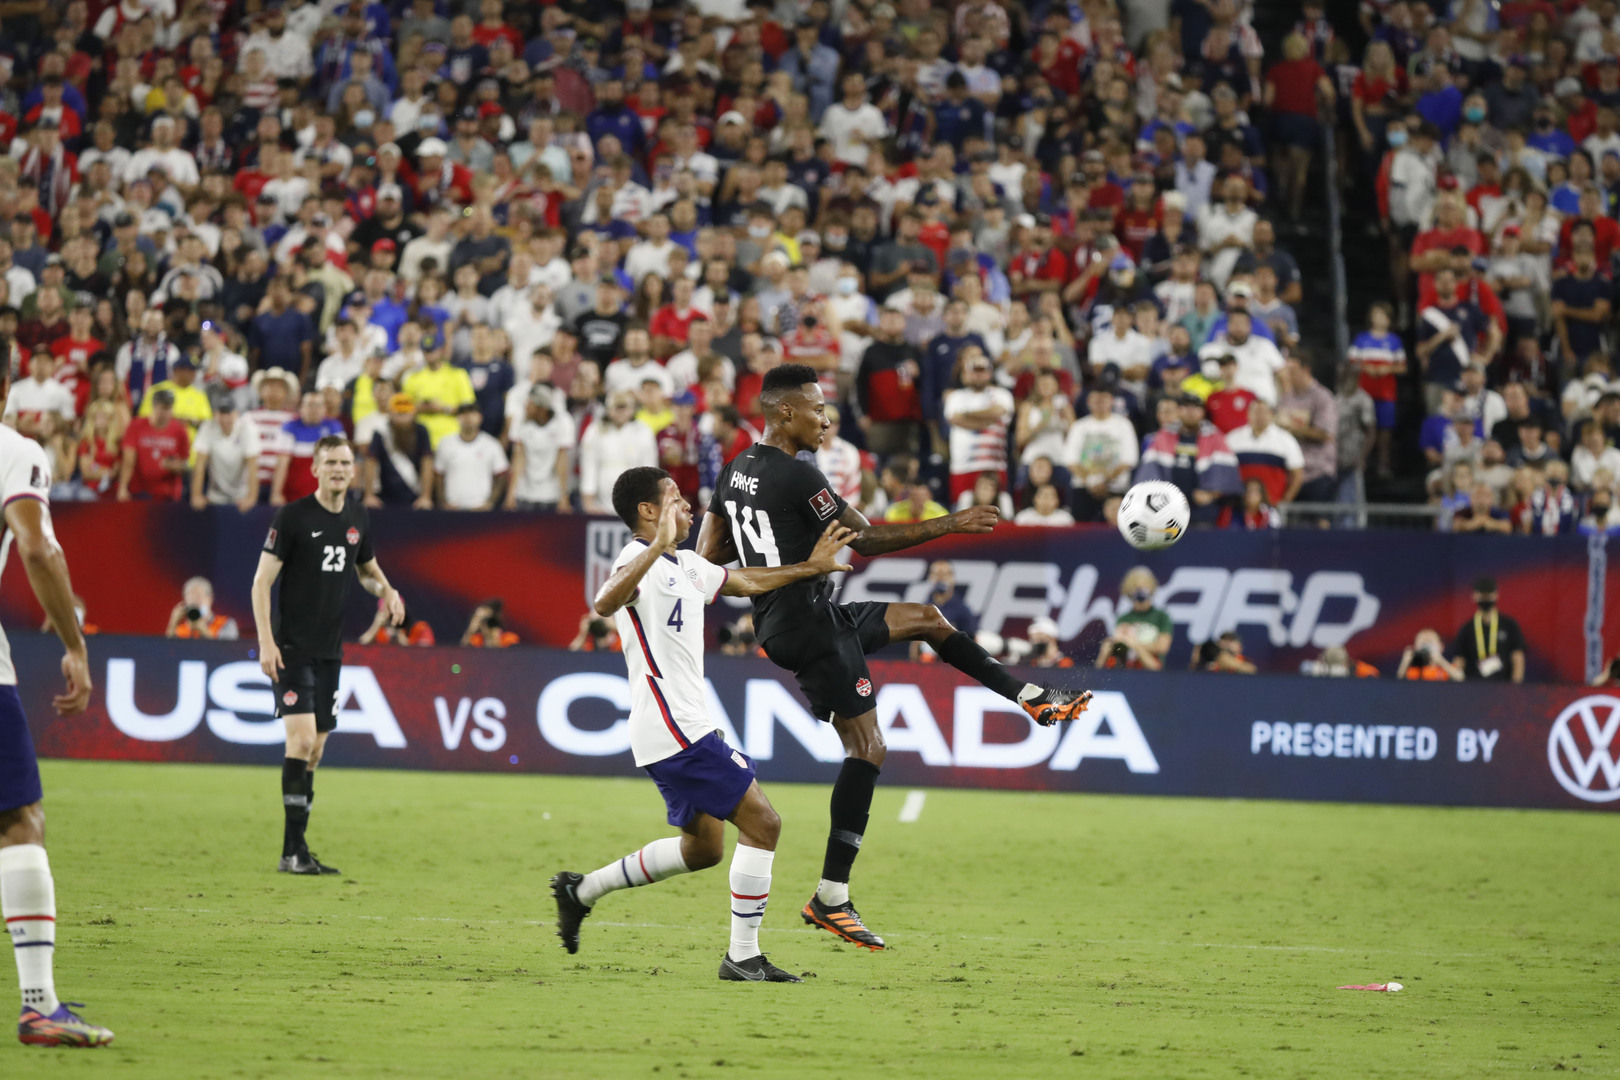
(842, 921)
(1055, 703)
(301, 862)
(323, 867)
(571, 911)
(754, 969)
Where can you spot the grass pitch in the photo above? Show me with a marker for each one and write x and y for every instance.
(1031, 935)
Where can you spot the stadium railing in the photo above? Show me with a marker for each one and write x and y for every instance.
(1330, 184)
(1362, 516)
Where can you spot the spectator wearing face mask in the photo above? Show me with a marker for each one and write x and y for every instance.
(1489, 645)
(1142, 635)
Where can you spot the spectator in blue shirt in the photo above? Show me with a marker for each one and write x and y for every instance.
(281, 335)
(814, 66)
(1581, 301)
(1449, 334)
(960, 117)
(613, 117)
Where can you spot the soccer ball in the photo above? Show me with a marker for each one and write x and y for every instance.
(1153, 515)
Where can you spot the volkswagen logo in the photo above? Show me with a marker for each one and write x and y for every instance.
(1581, 749)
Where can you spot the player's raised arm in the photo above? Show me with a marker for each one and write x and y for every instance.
(881, 538)
(823, 560)
(620, 589)
(264, 577)
(30, 523)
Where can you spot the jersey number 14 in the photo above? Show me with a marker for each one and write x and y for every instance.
(752, 530)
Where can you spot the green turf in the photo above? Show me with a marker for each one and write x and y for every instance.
(1033, 935)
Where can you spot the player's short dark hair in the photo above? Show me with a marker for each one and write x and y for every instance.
(642, 484)
(782, 379)
(330, 442)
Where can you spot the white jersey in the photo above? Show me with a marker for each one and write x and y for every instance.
(662, 631)
(25, 473)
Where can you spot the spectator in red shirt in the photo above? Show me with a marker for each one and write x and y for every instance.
(1103, 193)
(1435, 248)
(1139, 218)
(1293, 88)
(731, 435)
(1605, 230)
(156, 449)
(672, 322)
(73, 351)
(888, 395)
(1038, 267)
(1228, 407)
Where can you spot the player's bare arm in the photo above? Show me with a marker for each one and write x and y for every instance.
(823, 560)
(715, 542)
(620, 589)
(30, 523)
(263, 578)
(884, 537)
(375, 582)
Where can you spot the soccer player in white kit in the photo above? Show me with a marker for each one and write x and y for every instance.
(27, 891)
(656, 595)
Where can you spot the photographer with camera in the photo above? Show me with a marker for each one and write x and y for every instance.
(596, 634)
(1142, 635)
(194, 616)
(1425, 660)
(484, 630)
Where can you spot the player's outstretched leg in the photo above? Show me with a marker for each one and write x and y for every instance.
(28, 900)
(851, 807)
(700, 845)
(1046, 705)
(758, 828)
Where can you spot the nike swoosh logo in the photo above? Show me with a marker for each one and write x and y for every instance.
(750, 976)
(314, 534)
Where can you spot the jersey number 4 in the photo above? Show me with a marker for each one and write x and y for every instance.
(752, 530)
(333, 557)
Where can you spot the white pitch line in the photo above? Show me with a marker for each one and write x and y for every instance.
(912, 810)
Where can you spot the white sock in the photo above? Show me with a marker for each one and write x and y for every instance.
(750, 889)
(655, 862)
(28, 900)
(833, 893)
(1029, 693)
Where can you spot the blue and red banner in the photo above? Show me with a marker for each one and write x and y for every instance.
(544, 711)
(1288, 593)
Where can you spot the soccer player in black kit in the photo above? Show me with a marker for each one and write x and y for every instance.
(768, 509)
(317, 545)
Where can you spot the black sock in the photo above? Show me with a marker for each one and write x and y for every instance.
(965, 655)
(295, 803)
(851, 805)
(309, 787)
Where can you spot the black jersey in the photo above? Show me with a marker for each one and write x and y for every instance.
(777, 507)
(319, 552)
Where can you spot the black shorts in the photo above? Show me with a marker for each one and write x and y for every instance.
(309, 686)
(826, 651)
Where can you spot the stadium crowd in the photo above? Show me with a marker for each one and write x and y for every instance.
(513, 250)
(1486, 135)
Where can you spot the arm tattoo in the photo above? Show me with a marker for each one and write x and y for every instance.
(882, 538)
